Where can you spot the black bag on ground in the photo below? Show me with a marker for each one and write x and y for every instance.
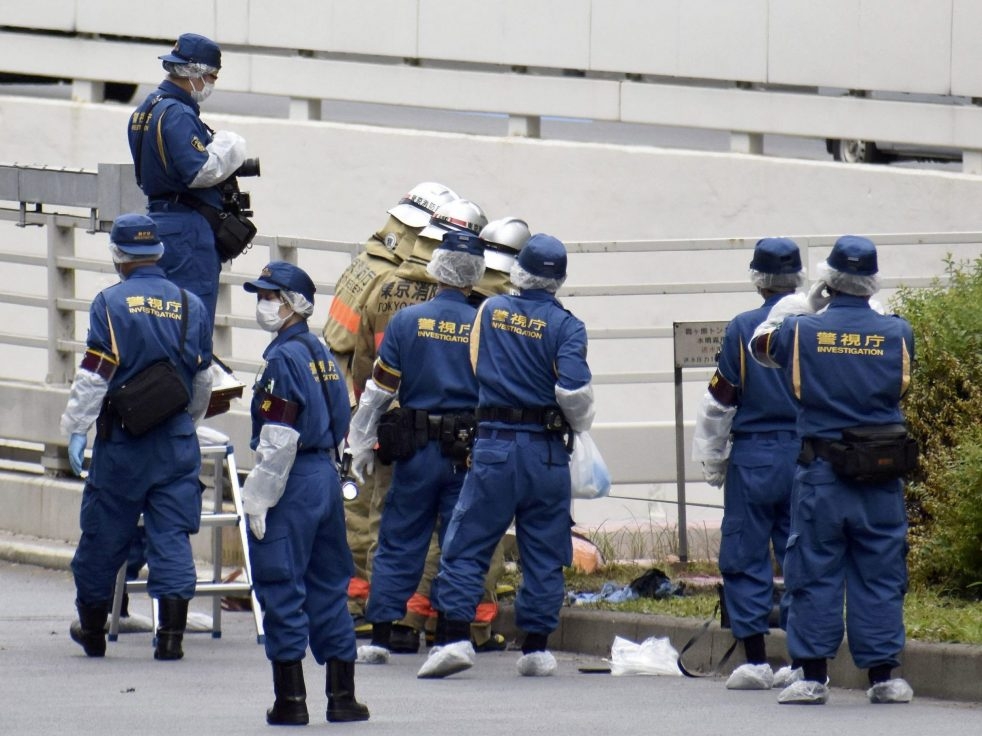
(396, 435)
(150, 398)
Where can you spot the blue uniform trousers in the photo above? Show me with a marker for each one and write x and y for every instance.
(301, 567)
(524, 475)
(757, 515)
(190, 259)
(847, 540)
(424, 490)
(156, 475)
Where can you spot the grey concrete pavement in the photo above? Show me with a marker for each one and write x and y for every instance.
(224, 685)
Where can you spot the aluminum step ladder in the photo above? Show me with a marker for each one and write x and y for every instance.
(215, 518)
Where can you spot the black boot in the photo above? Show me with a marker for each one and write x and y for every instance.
(404, 639)
(341, 703)
(170, 633)
(90, 629)
(290, 707)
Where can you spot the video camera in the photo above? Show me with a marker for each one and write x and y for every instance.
(233, 198)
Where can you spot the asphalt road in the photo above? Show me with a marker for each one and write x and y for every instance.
(223, 686)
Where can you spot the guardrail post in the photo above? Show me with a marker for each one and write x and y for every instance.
(304, 109)
(61, 327)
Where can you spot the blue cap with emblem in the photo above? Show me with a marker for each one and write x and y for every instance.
(194, 49)
(136, 235)
(545, 256)
(776, 255)
(462, 243)
(278, 275)
(854, 254)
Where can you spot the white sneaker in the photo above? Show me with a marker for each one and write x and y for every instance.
(536, 664)
(892, 691)
(804, 692)
(372, 654)
(785, 676)
(447, 660)
(751, 677)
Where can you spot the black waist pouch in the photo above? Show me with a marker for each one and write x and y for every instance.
(233, 234)
(873, 454)
(149, 398)
(396, 435)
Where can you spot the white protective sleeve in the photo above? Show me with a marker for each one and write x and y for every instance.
(84, 402)
(787, 307)
(363, 431)
(711, 439)
(266, 481)
(226, 152)
(577, 405)
(200, 395)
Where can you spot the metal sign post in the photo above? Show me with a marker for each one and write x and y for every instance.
(696, 346)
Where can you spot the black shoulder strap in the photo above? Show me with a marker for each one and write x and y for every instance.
(695, 637)
(323, 383)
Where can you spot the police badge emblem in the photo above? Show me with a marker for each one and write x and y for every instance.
(197, 144)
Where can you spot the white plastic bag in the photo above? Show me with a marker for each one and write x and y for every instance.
(588, 474)
(651, 657)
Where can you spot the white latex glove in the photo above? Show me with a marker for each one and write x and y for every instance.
(257, 524)
(362, 465)
(714, 471)
(819, 296)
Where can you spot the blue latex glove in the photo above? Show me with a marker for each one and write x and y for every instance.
(76, 451)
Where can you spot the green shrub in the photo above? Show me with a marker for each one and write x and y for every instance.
(943, 410)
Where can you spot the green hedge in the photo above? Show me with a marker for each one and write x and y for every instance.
(944, 411)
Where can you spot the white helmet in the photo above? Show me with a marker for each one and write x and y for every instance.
(503, 240)
(460, 214)
(416, 208)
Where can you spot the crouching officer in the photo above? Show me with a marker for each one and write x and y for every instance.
(301, 563)
(848, 367)
(425, 359)
(142, 331)
(529, 356)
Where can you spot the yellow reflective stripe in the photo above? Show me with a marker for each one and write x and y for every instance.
(160, 140)
(476, 336)
(905, 363)
(743, 366)
(112, 336)
(795, 366)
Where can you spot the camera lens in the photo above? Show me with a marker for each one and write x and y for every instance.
(249, 167)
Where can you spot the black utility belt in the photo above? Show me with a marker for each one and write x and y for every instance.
(402, 431)
(549, 418)
(870, 454)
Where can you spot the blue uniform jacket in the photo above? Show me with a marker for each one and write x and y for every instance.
(427, 349)
(290, 375)
(174, 141)
(766, 403)
(848, 366)
(523, 346)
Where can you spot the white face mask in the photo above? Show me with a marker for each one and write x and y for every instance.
(200, 95)
(268, 314)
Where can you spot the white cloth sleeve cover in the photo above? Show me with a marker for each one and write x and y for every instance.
(266, 481)
(363, 432)
(711, 439)
(84, 402)
(226, 152)
(577, 405)
(788, 306)
(200, 395)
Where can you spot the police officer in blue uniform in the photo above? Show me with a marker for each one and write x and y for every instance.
(143, 320)
(301, 563)
(529, 356)
(180, 164)
(746, 436)
(424, 360)
(848, 367)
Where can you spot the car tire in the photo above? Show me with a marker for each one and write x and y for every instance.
(855, 151)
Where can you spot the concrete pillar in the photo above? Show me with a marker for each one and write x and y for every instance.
(85, 90)
(741, 142)
(304, 109)
(525, 126)
(972, 162)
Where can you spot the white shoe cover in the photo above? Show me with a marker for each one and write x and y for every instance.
(804, 692)
(536, 664)
(751, 677)
(785, 676)
(892, 691)
(372, 654)
(447, 660)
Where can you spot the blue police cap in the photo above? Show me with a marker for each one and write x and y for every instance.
(192, 48)
(545, 256)
(853, 254)
(459, 242)
(136, 235)
(776, 255)
(279, 275)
